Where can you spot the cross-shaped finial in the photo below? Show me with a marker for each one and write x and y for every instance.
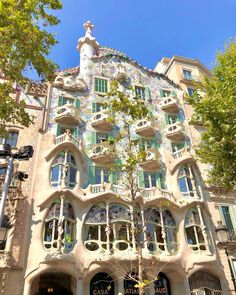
(88, 26)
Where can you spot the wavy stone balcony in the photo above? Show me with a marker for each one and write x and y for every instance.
(67, 114)
(100, 121)
(156, 192)
(169, 104)
(145, 128)
(121, 76)
(70, 83)
(174, 132)
(102, 154)
(181, 156)
(152, 161)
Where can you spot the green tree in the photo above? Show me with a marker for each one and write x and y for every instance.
(126, 111)
(24, 44)
(215, 105)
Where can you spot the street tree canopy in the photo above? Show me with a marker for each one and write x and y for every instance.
(217, 110)
(24, 44)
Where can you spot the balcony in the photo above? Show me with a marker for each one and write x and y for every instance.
(67, 136)
(121, 75)
(100, 122)
(67, 115)
(181, 156)
(169, 105)
(152, 160)
(156, 192)
(102, 154)
(174, 132)
(192, 79)
(70, 83)
(145, 128)
(59, 82)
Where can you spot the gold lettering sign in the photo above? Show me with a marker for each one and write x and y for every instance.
(131, 291)
(100, 292)
(160, 290)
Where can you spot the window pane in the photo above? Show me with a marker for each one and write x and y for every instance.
(98, 178)
(191, 239)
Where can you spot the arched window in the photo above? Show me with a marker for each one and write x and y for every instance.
(108, 225)
(161, 230)
(102, 283)
(162, 285)
(187, 182)
(204, 283)
(59, 232)
(63, 171)
(193, 229)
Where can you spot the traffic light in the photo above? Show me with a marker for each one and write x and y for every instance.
(21, 175)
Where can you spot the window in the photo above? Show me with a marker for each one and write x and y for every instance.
(186, 182)
(101, 85)
(140, 92)
(101, 137)
(187, 74)
(228, 218)
(101, 175)
(172, 119)
(177, 149)
(63, 171)
(63, 100)
(193, 229)
(150, 180)
(97, 107)
(191, 91)
(55, 219)
(119, 219)
(161, 230)
(166, 93)
(11, 139)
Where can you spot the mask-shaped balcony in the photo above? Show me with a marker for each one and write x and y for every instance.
(80, 84)
(145, 128)
(102, 154)
(67, 115)
(169, 105)
(151, 161)
(59, 81)
(100, 122)
(70, 83)
(174, 132)
(121, 75)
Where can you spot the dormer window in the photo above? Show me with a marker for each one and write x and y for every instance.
(101, 85)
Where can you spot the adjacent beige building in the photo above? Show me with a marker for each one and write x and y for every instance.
(71, 226)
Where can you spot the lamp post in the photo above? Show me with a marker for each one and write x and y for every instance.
(24, 153)
(222, 234)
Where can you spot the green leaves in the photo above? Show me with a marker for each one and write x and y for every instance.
(217, 110)
(24, 44)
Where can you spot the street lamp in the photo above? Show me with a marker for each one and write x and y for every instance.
(24, 153)
(222, 234)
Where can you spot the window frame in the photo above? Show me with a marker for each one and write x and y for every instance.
(107, 86)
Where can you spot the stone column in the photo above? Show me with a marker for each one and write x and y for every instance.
(80, 286)
(120, 286)
(204, 229)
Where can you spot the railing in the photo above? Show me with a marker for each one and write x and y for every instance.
(179, 154)
(191, 78)
(232, 235)
(151, 192)
(166, 194)
(66, 137)
(118, 189)
(97, 188)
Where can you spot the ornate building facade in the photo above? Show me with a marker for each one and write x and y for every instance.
(74, 229)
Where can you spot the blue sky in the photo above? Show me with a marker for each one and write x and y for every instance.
(147, 30)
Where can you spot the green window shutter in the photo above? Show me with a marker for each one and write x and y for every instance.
(147, 93)
(60, 101)
(140, 178)
(154, 143)
(58, 132)
(160, 180)
(75, 132)
(140, 143)
(113, 177)
(94, 107)
(161, 93)
(96, 84)
(93, 137)
(167, 119)
(77, 103)
(173, 93)
(91, 174)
